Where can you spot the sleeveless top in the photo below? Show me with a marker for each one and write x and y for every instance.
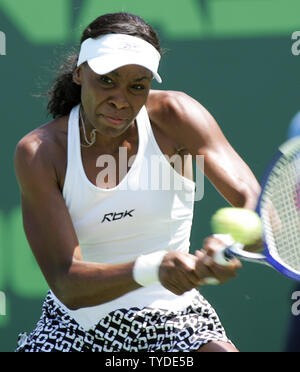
(151, 209)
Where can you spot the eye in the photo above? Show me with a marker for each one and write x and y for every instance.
(138, 87)
(106, 80)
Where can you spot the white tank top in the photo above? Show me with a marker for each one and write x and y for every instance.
(141, 215)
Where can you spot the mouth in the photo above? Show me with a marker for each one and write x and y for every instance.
(114, 120)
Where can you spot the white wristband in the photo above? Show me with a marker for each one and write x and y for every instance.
(146, 268)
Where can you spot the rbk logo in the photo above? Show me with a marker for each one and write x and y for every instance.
(114, 216)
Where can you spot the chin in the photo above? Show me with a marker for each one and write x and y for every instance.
(111, 130)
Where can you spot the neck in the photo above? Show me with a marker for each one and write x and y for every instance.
(90, 137)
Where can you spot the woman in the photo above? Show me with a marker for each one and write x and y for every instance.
(115, 253)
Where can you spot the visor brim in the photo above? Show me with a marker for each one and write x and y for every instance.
(106, 64)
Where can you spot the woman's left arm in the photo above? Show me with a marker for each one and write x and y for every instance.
(189, 124)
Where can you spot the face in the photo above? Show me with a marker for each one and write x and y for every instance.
(111, 102)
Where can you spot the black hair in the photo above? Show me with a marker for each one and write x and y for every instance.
(64, 94)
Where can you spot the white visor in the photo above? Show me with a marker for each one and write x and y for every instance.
(110, 52)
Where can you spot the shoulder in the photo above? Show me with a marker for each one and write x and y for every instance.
(177, 108)
(182, 118)
(38, 152)
(162, 104)
(44, 140)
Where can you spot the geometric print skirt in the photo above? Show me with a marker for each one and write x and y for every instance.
(126, 330)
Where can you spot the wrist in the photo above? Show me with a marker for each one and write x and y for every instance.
(146, 268)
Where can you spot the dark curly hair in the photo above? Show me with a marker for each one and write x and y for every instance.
(64, 94)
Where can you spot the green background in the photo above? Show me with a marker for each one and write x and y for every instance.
(234, 56)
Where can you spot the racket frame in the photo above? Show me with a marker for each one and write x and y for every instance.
(266, 256)
(269, 259)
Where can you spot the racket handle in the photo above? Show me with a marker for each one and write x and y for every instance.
(212, 281)
(222, 256)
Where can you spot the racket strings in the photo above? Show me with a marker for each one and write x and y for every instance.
(280, 211)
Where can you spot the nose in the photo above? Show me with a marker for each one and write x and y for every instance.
(119, 101)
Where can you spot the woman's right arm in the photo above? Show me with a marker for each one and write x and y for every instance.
(52, 238)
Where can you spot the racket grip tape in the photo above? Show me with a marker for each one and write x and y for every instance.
(223, 257)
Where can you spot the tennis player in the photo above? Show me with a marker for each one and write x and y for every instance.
(114, 252)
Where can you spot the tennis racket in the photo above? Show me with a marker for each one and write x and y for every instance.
(279, 210)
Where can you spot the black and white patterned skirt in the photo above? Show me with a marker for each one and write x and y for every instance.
(126, 330)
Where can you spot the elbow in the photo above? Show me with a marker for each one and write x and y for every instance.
(66, 294)
(248, 197)
(70, 303)
(68, 286)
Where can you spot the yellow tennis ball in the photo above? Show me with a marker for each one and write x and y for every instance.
(242, 224)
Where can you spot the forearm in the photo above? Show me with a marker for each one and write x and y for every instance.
(89, 284)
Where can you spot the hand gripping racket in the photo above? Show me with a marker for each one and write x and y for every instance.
(279, 210)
